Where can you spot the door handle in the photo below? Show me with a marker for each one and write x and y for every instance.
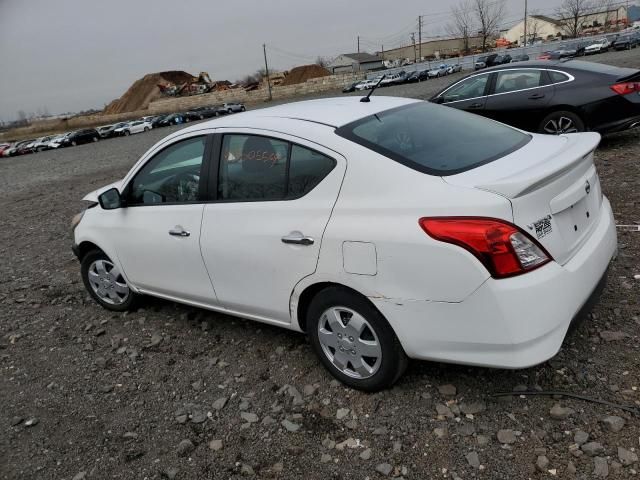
(297, 238)
(178, 231)
(536, 96)
(476, 105)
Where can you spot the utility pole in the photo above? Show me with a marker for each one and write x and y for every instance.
(358, 43)
(525, 23)
(420, 37)
(413, 41)
(266, 68)
(382, 53)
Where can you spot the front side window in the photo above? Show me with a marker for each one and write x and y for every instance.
(171, 176)
(470, 88)
(434, 139)
(513, 80)
(257, 168)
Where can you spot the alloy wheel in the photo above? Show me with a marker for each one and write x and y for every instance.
(559, 125)
(349, 342)
(107, 282)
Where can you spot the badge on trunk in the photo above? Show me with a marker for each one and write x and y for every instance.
(542, 227)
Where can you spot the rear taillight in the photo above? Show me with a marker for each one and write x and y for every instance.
(626, 87)
(503, 248)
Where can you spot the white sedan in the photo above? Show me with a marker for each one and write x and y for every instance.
(133, 127)
(385, 230)
(439, 71)
(367, 84)
(599, 46)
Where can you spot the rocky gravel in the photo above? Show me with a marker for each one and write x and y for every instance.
(170, 391)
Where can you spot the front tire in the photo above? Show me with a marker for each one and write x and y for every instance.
(127, 133)
(557, 123)
(105, 283)
(354, 341)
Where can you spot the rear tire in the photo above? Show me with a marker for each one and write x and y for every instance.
(559, 122)
(95, 139)
(105, 283)
(74, 143)
(127, 133)
(354, 341)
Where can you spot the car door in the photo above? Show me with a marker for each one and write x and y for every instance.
(157, 234)
(261, 235)
(519, 97)
(469, 94)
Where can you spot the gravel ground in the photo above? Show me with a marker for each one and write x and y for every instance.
(171, 391)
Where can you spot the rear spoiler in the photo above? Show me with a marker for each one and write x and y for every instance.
(577, 149)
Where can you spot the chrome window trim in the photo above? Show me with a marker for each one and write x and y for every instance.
(570, 79)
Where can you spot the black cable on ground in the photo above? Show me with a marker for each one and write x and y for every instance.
(626, 408)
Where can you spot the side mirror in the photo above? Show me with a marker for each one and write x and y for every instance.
(111, 199)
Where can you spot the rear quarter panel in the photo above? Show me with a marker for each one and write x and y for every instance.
(381, 202)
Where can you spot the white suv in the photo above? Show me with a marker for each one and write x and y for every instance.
(386, 229)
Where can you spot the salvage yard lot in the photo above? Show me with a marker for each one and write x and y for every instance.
(171, 391)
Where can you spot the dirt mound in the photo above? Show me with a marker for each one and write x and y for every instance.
(145, 90)
(304, 73)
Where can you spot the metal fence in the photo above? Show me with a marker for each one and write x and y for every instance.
(468, 62)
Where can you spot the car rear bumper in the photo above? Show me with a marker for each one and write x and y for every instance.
(620, 125)
(509, 323)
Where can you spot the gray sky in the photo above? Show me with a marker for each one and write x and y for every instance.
(70, 55)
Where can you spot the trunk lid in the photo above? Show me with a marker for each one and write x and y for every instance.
(553, 188)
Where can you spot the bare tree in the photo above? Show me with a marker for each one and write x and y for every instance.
(488, 14)
(571, 14)
(323, 61)
(462, 23)
(533, 27)
(605, 7)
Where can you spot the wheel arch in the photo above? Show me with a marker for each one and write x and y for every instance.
(85, 247)
(309, 292)
(566, 108)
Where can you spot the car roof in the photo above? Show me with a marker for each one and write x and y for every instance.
(333, 112)
(526, 64)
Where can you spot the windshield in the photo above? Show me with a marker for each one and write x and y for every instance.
(434, 139)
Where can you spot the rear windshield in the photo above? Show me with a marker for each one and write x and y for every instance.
(434, 139)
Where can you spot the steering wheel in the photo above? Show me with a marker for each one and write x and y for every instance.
(182, 187)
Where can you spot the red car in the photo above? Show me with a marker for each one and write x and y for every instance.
(3, 147)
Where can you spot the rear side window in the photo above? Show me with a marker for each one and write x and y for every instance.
(434, 139)
(258, 168)
(558, 77)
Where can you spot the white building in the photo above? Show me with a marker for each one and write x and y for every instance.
(542, 27)
(355, 62)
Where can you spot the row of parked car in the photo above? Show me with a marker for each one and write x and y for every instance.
(403, 77)
(494, 59)
(88, 135)
(580, 48)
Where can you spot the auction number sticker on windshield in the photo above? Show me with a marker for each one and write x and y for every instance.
(542, 227)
